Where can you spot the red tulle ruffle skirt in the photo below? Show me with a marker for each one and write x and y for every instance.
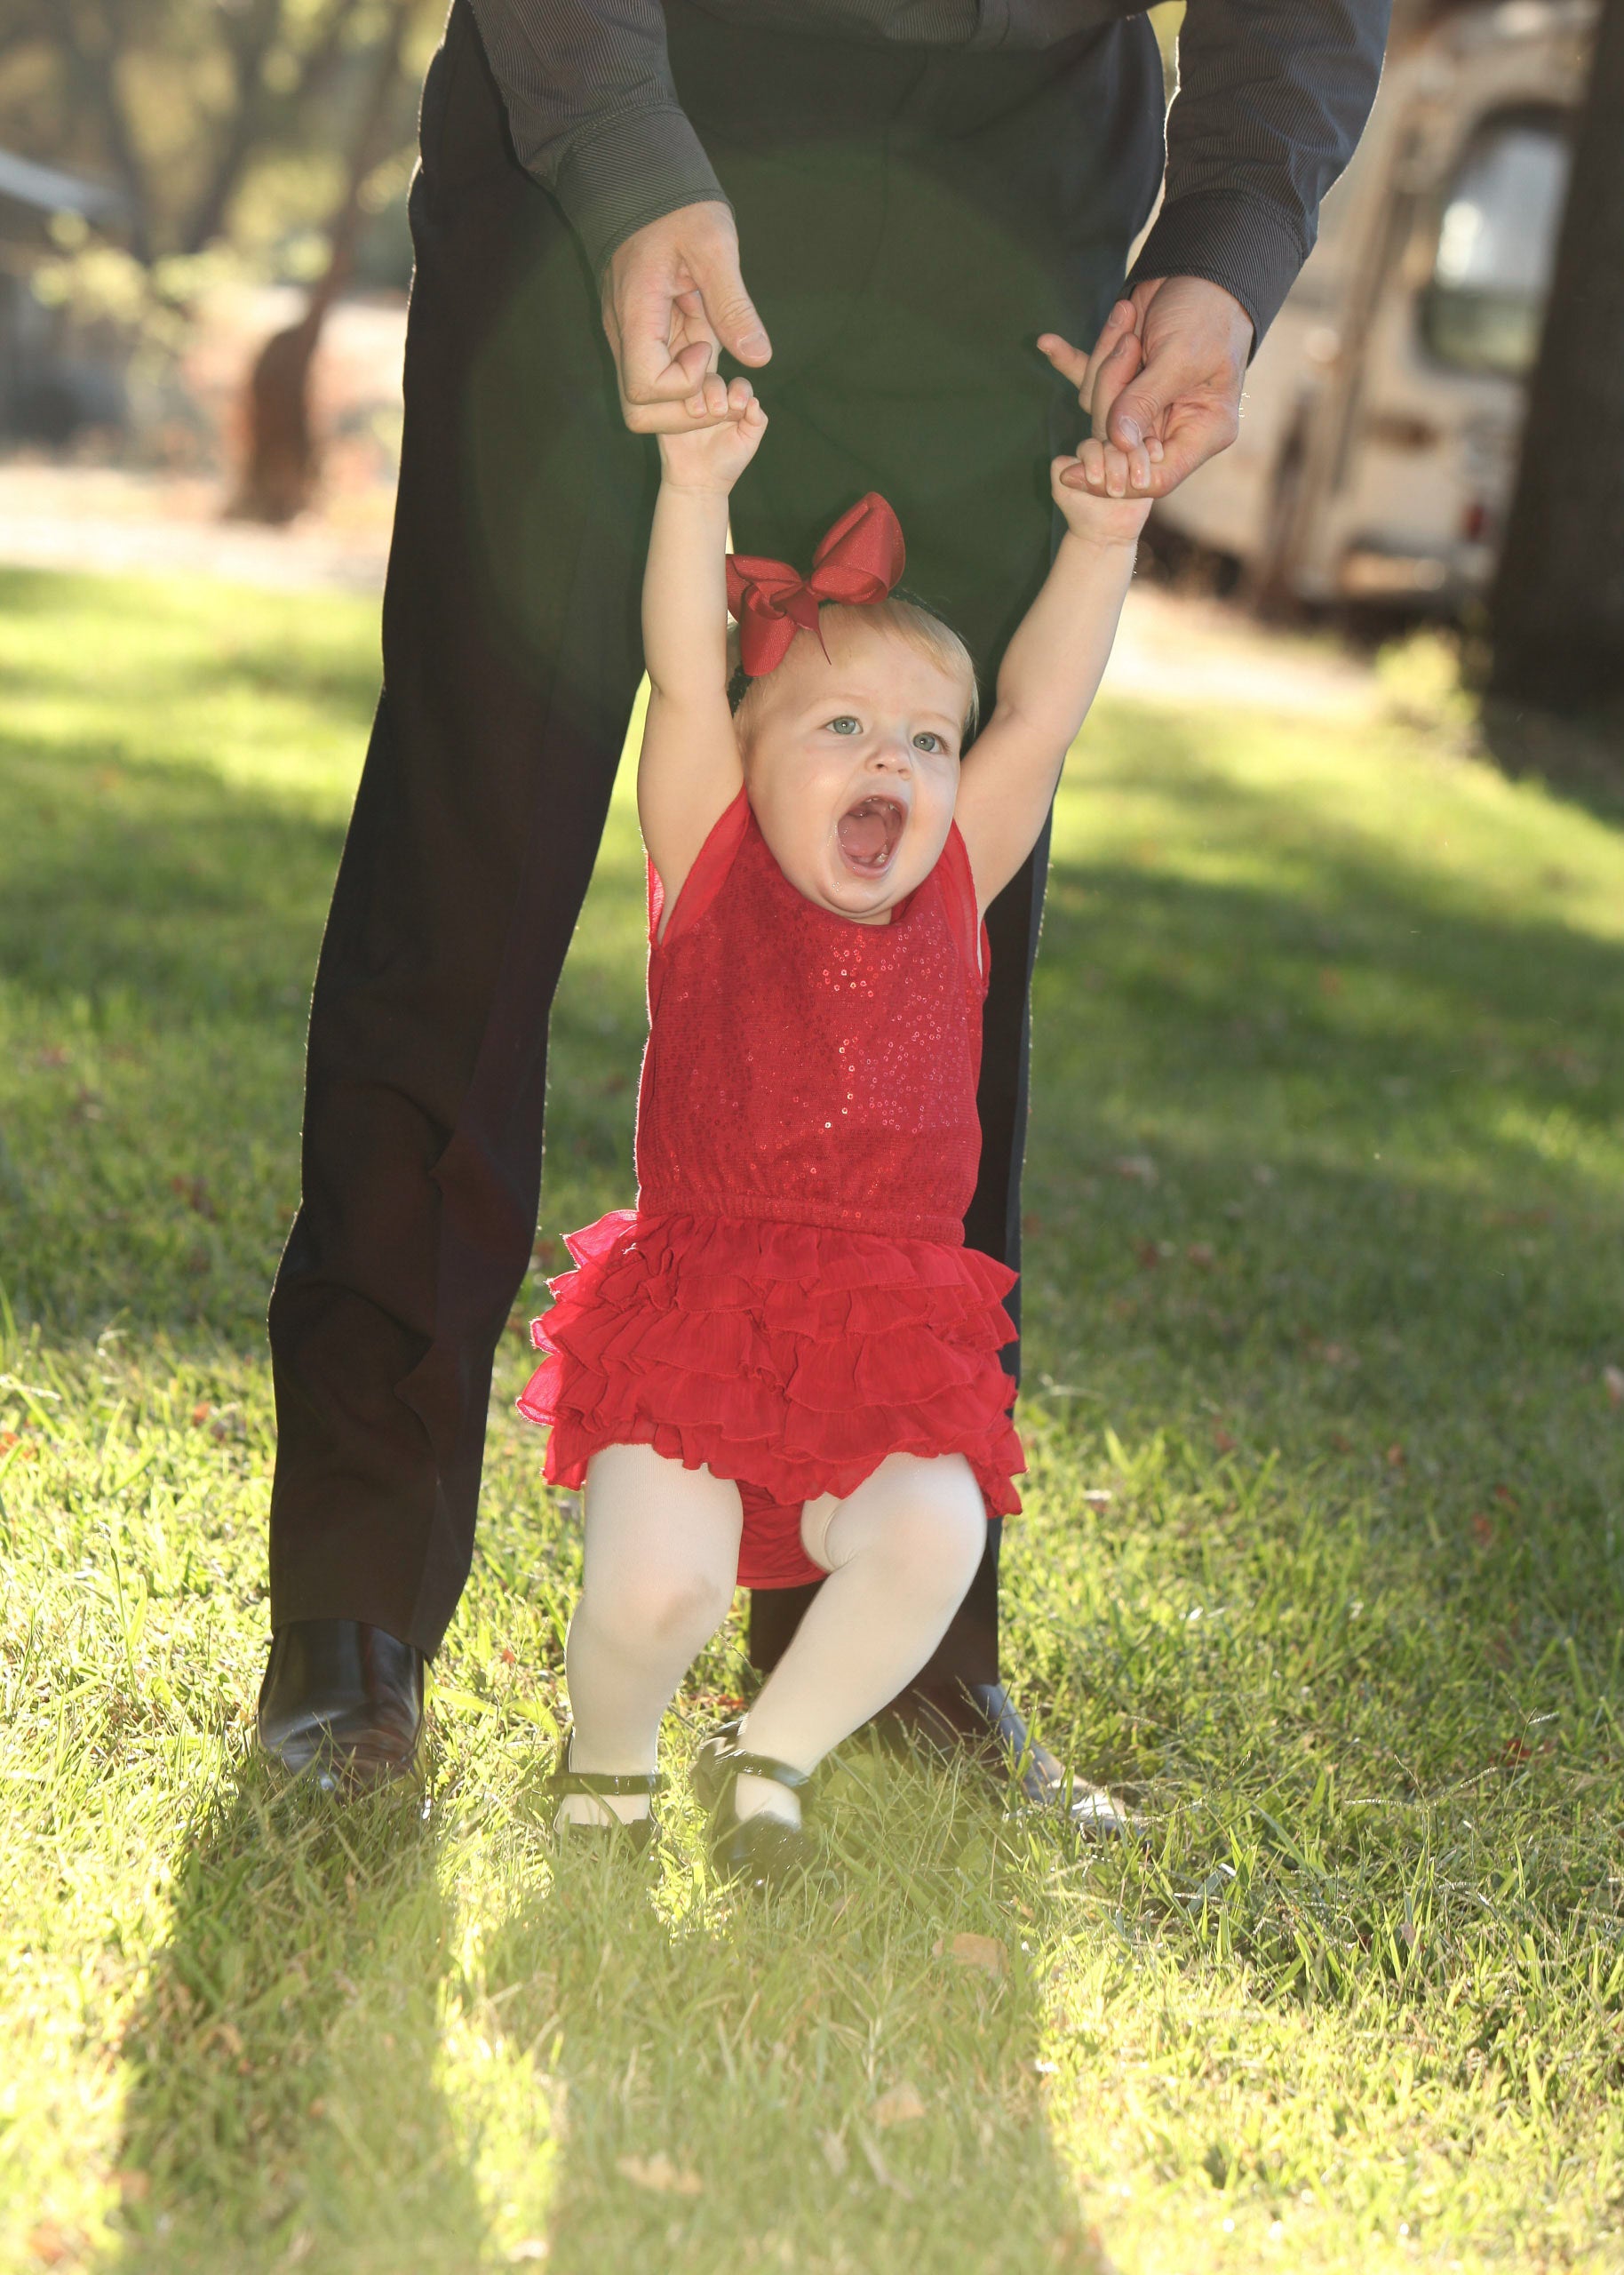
(790, 1358)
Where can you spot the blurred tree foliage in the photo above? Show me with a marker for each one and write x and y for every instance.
(225, 123)
(249, 139)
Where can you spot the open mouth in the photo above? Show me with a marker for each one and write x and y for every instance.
(869, 833)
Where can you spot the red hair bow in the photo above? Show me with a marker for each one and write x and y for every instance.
(857, 562)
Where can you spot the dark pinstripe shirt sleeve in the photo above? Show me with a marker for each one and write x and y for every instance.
(593, 112)
(1273, 95)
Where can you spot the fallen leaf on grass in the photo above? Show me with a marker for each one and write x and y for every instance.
(1482, 1527)
(1613, 1376)
(984, 1952)
(1202, 1255)
(49, 2243)
(1139, 1168)
(1223, 1439)
(1395, 1456)
(659, 2173)
(901, 2106)
(1097, 1498)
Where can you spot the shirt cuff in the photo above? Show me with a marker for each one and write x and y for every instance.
(1244, 244)
(623, 171)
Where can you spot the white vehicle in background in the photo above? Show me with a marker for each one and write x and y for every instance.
(1379, 434)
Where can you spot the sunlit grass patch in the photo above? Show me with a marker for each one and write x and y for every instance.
(1321, 1562)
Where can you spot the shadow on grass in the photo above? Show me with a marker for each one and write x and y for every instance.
(847, 2072)
(1580, 762)
(158, 890)
(158, 936)
(283, 2105)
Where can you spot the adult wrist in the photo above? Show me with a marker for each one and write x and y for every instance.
(628, 170)
(1230, 238)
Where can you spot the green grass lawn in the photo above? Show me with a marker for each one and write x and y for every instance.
(1321, 1561)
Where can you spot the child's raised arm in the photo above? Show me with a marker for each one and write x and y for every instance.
(1050, 671)
(689, 772)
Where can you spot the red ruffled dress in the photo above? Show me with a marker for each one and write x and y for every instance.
(791, 1299)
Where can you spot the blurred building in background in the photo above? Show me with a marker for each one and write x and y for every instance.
(55, 379)
(1379, 440)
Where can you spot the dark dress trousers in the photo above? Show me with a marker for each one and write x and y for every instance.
(910, 219)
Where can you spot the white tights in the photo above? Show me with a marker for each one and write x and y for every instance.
(661, 1555)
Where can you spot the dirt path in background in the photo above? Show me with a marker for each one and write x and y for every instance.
(104, 520)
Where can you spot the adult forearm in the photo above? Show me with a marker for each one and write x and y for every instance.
(593, 112)
(1273, 96)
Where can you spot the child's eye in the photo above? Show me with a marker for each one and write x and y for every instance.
(927, 740)
(845, 724)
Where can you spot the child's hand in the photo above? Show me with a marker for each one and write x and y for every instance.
(711, 459)
(1088, 487)
(1097, 492)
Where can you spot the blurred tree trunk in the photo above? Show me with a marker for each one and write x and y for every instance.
(281, 458)
(1556, 610)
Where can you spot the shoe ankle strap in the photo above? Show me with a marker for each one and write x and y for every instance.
(740, 1764)
(597, 1781)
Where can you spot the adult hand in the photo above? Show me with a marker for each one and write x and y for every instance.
(672, 299)
(1165, 377)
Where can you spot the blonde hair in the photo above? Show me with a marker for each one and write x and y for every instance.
(901, 616)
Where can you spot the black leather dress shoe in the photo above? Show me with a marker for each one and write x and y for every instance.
(983, 1715)
(343, 1700)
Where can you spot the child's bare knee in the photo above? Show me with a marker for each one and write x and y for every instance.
(964, 1524)
(690, 1606)
(936, 1524)
(657, 1609)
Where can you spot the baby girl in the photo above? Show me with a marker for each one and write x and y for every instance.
(783, 1365)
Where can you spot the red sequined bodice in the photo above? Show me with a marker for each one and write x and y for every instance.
(806, 1068)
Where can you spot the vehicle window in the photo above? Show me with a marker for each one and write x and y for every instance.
(1496, 242)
